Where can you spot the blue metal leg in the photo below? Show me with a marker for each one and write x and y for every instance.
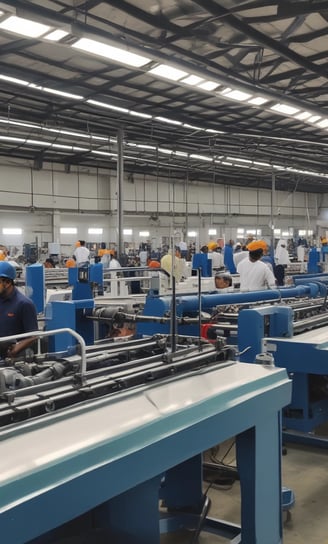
(133, 516)
(259, 460)
(182, 488)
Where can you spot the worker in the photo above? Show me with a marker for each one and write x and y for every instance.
(223, 281)
(254, 274)
(228, 257)
(49, 263)
(17, 313)
(282, 259)
(166, 264)
(240, 253)
(81, 254)
(113, 263)
(215, 256)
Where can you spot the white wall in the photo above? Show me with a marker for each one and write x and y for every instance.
(41, 201)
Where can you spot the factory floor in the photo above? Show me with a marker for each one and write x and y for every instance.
(305, 471)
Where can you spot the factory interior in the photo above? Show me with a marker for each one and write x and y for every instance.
(153, 154)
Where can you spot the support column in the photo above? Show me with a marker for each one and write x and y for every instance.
(120, 174)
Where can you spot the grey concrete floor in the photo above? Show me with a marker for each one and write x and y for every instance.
(305, 471)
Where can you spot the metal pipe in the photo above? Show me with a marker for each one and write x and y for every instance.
(39, 334)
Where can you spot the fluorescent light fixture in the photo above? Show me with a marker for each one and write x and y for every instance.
(138, 114)
(95, 230)
(109, 106)
(105, 153)
(192, 80)
(234, 94)
(14, 80)
(323, 123)
(12, 139)
(226, 163)
(70, 147)
(192, 234)
(208, 85)
(303, 115)
(56, 35)
(193, 127)
(258, 100)
(12, 231)
(212, 232)
(165, 151)
(108, 51)
(180, 153)
(284, 108)
(201, 157)
(127, 232)
(62, 93)
(314, 118)
(302, 232)
(167, 120)
(146, 146)
(258, 163)
(68, 230)
(164, 70)
(24, 27)
(144, 233)
(37, 142)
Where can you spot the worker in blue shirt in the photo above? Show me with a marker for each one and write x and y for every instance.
(17, 313)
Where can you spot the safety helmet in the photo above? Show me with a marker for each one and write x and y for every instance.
(257, 244)
(212, 245)
(7, 270)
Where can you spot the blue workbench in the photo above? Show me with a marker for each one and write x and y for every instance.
(109, 456)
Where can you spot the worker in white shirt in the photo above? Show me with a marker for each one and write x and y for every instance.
(282, 259)
(81, 254)
(254, 274)
(215, 256)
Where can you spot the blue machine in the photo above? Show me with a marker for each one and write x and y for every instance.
(74, 314)
(104, 460)
(305, 356)
(189, 306)
(35, 286)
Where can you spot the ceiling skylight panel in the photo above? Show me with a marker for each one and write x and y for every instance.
(285, 108)
(108, 51)
(56, 35)
(235, 94)
(323, 123)
(24, 27)
(164, 70)
(303, 115)
(192, 80)
(208, 85)
(258, 100)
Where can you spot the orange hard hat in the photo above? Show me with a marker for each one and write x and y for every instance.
(257, 244)
(70, 263)
(154, 264)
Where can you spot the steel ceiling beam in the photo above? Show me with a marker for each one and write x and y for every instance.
(258, 37)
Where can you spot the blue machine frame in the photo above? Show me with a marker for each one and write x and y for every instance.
(107, 458)
(270, 330)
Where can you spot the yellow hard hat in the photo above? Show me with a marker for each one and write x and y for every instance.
(212, 245)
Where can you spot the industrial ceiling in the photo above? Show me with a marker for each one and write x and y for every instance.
(222, 91)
